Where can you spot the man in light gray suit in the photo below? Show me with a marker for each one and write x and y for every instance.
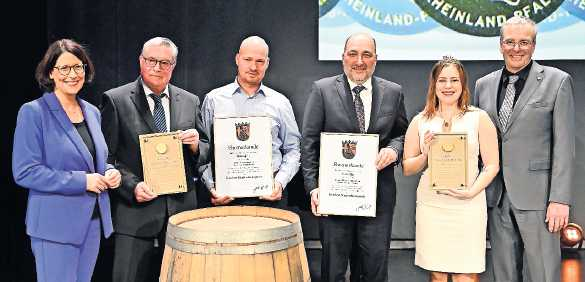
(529, 200)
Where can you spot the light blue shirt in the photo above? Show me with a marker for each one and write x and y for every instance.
(230, 100)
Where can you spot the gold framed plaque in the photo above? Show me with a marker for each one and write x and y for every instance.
(162, 162)
(448, 161)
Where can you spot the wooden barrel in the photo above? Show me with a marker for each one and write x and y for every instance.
(239, 243)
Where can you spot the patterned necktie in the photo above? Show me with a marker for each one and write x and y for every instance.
(158, 114)
(359, 107)
(508, 104)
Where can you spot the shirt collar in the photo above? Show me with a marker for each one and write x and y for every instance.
(522, 74)
(147, 90)
(367, 84)
(234, 88)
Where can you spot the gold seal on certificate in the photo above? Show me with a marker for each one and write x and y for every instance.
(348, 174)
(243, 156)
(448, 161)
(162, 162)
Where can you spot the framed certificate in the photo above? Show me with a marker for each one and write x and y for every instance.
(448, 161)
(162, 162)
(348, 174)
(243, 156)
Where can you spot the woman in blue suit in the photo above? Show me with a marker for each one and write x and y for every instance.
(60, 156)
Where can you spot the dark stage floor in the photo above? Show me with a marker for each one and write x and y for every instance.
(402, 268)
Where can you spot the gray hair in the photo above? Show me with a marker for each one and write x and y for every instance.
(162, 41)
(519, 20)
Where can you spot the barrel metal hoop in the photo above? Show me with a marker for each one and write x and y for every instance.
(233, 237)
(267, 247)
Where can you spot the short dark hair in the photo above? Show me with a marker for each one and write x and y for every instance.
(55, 50)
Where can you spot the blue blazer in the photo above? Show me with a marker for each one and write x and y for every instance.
(51, 160)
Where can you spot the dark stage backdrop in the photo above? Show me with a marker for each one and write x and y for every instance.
(208, 33)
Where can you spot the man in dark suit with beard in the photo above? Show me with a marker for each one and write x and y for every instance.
(149, 105)
(356, 102)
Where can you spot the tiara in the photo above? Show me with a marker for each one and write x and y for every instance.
(449, 59)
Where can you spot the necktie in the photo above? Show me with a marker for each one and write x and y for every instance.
(158, 114)
(359, 107)
(508, 103)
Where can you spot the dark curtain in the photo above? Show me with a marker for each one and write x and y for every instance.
(208, 34)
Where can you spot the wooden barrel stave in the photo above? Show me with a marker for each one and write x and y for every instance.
(284, 260)
(186, 267)
(281, 266)
(197, 269)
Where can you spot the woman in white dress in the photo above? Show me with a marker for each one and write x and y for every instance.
(451, 224)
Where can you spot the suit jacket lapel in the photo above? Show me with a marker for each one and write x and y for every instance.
(535, 77)
(347, 99)
(139, 98)
(174, 104)
(59, 113)
(377, 99)
(492, 92)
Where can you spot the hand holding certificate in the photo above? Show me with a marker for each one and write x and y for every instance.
(348, 174)
(162, 162)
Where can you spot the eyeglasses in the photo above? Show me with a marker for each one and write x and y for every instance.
(163, 64)
(65, 70)
(522, 44)
(354, 55)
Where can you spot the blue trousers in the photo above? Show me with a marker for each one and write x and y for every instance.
(60, 262)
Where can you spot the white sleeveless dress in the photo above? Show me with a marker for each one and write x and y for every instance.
(451, 233)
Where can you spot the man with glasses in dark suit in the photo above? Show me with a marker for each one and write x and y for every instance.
(149, 105)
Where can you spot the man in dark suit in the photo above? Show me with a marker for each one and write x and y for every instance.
(356, 102)
(149, 105)
(529, 200)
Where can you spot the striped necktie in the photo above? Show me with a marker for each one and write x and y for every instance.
(158, 114)
(359, 107)
(508, 103)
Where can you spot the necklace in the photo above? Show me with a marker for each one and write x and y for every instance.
(447, 123)
(446, 126)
